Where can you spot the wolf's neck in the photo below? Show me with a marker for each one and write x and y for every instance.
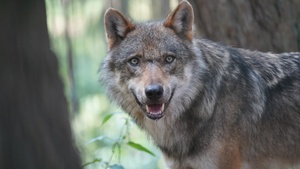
(182, 135)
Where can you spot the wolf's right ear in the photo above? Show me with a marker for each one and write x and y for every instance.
(181, 20)
(116, 27)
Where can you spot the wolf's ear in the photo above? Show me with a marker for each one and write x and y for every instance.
(181, 20)
(116, 27)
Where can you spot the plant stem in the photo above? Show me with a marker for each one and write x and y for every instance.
(118, 143)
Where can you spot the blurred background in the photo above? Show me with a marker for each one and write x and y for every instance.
(76, 30)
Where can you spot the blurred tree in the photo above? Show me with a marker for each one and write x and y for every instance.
(70, 58)
(268, 25)
(35, 131)
(160, 8)
(119, 4)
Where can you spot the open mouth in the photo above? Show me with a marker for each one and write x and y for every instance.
(155, 111)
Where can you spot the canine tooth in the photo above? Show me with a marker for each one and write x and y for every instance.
(147, 108)
(162, 107)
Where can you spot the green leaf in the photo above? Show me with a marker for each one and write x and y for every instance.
(106, 118)
(140, 147)
(116, 166)
(98, 139)
(96, 160)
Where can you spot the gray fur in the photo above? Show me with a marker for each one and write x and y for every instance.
(226, 108)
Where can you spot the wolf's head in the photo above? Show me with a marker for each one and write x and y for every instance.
(153, 68)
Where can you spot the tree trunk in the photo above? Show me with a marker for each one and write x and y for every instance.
(265, 25)
(120, 5)
(35, 131)
(74, 101)
(160, 8)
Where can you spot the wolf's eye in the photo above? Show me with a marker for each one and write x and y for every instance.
(169, 59)
(134, 61)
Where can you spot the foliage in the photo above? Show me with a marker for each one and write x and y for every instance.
(122, 140)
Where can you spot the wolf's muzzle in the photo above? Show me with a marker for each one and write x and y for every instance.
(155, 105)
(154, 92)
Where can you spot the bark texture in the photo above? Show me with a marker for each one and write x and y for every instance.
(35, 130)
(268, 25)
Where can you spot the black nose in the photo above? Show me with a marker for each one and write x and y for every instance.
(154, 92)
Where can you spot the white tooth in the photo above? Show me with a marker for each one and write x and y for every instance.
(147, 108)
(162, 107)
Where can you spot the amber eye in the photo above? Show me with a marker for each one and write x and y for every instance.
(169, 59)
(134, 61)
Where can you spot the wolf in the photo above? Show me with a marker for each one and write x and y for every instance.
(205, 105)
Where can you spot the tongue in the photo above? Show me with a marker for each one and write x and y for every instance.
(155, 108)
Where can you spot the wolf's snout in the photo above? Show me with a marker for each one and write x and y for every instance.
(154, 92)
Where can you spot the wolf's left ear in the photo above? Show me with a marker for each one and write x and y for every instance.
(181, 20)
(116, 27)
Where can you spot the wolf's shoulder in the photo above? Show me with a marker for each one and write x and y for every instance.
(271, 67)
